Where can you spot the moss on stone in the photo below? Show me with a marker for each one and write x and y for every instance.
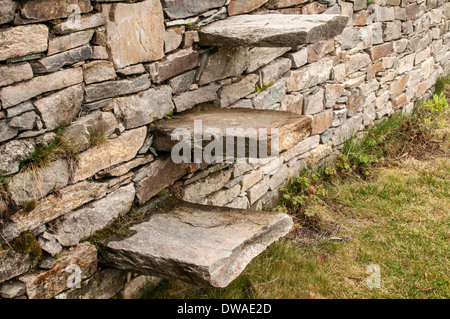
(26, 243)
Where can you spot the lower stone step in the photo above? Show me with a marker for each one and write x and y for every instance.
(203, 245)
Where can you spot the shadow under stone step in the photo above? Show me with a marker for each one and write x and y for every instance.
(203, 245)
(270, 129)
(272, 30)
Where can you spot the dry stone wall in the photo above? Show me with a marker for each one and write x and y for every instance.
(99, 73)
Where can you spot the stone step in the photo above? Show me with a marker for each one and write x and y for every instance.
(236, 125)
(203, 245)
(272, 30)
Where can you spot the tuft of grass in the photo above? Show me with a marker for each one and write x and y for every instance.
(263, 88)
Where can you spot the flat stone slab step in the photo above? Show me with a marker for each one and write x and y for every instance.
(272, 30)
(272, 128)
(203, 245)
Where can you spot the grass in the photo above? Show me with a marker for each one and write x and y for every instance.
(386, 202)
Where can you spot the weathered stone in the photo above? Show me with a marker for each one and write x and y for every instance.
(242, 104)
(13, 264)
(103, 284)
(173, 38)
(292, 127)
(422, 56)
(100, 91)
(258, 190)
(15, 94)
(190, 229)
(42, 10)
(81, 224)
(272, 95)
(292, 103)
(23, 40)
(196, 192)
(49, 244)
(12, 153)
(380, 51)
(392, 31)
(251, 179)
(131, 70)
(24, 122)
(123, 169)
(135, 32)
(399, 86)
(399, 101)
(345, 131)
(356, 62)
(226, 62)
(67, 42)
(84, 22)
(179, 9)
(98, 71)
(427, 68)
(100, 53)
(309, 75)
(188, 100)
(298, 58)
(233, 92)
(45, 285)
(61, 107)
(133, 289)
(361, 38)
(145, 107)
(322, 121)
(182, 82)
(274, 70)
(223, 197)
(6, 131)
(13, 73)
(7, 11)
(319, 50)
(173, 65)
(19, 109)
(112, 152)
(276, 4)
(314, 102)
(332, 93)
(355, 102)
(260, 56)
(31, 186)
(275, 30)
(243, 6)
(12, 289)
(156, 176)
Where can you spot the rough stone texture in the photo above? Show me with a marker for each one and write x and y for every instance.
(98, 71)
(320, 49)
(49, 244)
(196, 192)
(145, 107)
(7, 11)
(183, 243)
(104, 284)
(19, 109)
(13, 73)
(123, 169)
(380, 51)
(23, 40)
(233, 92)
(112, 152)
(314, 102)
(292, 103)
(12, 289)
(53, 206)
(131, 70)
(292, 127)
(309, 75)
(188, 100)
(182, 82)
(173, 65)
(272, 95)
(32, 186)
(104, 90)
(12, 153)
(67, 42)
(275, 30)
(226, 62)
(42, 10)
(6, 131)
(276, 4)
(223, 197)
(81, 224)
(156, 176)
(260, 56)
(322, 121)
(13, 264)
(15, 94)
(271, 72)
(179, 9)
(46, 284)
(173, 38)
(298, 58)
(342, 133)
(135, 32)
(243, 6)
(356, 38)
(134, 288)
(61, 107)
(85, 22)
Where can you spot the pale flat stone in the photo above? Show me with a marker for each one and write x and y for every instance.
(42, 10)
(67, 42)
(112, 152)
(233, 92)
(179, 9)
(15, 94)
(188, 100)
(23, 40)
(7, 11)
(84, 22)
(98, 71)
(13, 73)
(184, 243)
(135, 32)
(13, 264)
(12, 153)
(260, 56)
(274, 30)
(243, 6)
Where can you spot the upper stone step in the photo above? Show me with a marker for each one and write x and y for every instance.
(272, 30)
(203, 245)
(268, 127)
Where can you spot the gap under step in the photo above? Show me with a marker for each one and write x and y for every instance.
(203, 245)
(236, 125)
(272, 30)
